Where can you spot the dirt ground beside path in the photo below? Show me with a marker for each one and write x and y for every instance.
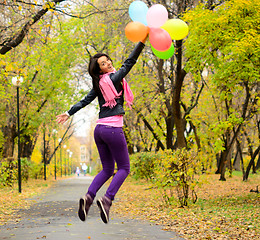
(224, 210)
(53, 215)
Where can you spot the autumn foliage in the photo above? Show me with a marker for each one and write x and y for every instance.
(170, 171)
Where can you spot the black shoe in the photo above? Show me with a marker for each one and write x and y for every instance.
(84, 205)
(104, 204)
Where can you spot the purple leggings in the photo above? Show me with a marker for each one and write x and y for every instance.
(112, 147)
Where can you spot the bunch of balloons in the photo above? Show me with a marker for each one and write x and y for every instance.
(154, 20)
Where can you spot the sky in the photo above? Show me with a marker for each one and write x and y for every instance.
(90, 115)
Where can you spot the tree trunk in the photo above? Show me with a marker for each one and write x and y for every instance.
(222, 166)
(179, 77)
(156, 137)
(226, 156)
(245, 177)
(130, 146)
(228, 146)
(169, 130)
(218, 157)
(9, 133)
(258, 162)
(238, 157)
(236, 162)
(242, 166)
(254, 167)
(229, 157)
(27, 145)
(197, 139)
(169, 117)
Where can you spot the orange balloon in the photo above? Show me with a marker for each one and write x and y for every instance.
(136, 31)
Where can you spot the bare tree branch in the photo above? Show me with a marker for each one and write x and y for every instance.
(14, 42)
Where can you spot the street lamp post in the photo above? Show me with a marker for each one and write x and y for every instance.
(68, 163)
(65, 172)
(54, 131)
(60, 157)
(44, 153)
(71, 162)
(16, 82)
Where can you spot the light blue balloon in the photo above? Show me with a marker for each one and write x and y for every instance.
(137, 12)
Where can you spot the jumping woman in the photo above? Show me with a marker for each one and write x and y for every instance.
(111, 88)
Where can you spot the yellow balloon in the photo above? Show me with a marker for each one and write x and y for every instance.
(177, 28)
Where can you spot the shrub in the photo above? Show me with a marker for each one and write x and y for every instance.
(142, 165)
(36, 170)
(176, 170)
(171, 171)
(25, 168)
(8, 172)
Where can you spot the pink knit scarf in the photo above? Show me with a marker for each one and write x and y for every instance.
(110, 93)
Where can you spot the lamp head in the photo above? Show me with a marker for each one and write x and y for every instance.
(17, 81)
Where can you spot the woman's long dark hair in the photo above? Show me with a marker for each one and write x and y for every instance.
(95, 71)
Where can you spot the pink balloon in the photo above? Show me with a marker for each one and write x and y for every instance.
(160, 39)
(156, 16)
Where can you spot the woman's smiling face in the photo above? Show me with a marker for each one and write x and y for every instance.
(105, 64)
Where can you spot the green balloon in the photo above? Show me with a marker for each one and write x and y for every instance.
(163, 55)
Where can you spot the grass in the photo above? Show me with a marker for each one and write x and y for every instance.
(224, 210)
(11, 200)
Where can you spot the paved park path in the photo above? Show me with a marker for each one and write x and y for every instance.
(53, 216)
